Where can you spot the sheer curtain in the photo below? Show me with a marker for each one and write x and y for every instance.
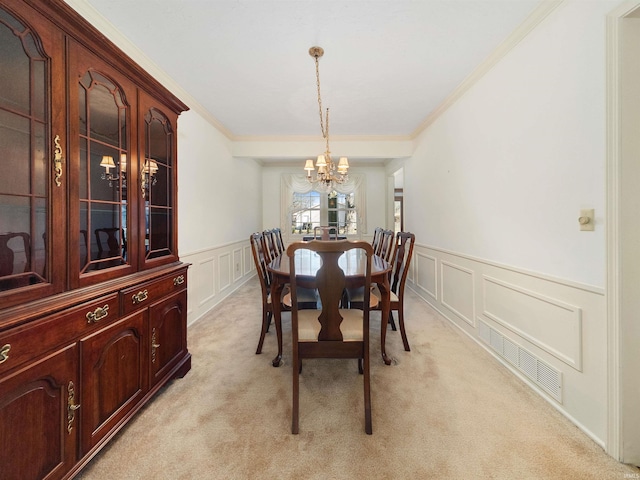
(291, 183)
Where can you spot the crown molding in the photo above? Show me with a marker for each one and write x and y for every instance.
(316, 138)
(531, 22)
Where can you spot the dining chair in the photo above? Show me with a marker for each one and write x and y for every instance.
(307, 297)
(325, 233)
(401, 260)
(331, 332)
(386, 244)
(260, 260)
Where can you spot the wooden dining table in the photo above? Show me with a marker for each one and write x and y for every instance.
(352, 262)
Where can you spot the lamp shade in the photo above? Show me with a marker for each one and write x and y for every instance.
(123, 162)
(150, 167)
(107, 163)
(309, 165)
(321, 162)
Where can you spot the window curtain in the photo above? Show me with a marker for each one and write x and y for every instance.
(291, 183)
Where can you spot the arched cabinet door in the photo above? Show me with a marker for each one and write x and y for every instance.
(39, 407)
(103, 142)
(157, 183)
(33, 145)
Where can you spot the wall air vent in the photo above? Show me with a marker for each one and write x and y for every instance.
(531, 366)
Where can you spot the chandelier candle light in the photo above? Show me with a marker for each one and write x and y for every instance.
(328, 172)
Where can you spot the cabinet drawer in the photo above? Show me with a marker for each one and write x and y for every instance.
(25, 343)
(148, 293)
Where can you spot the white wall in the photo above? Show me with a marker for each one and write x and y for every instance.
(218, 194)
(511, 164)
(493, 193)
(218, 197)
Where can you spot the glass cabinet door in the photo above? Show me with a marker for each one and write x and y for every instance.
(157, 184)
(101, 145)
(27, 186)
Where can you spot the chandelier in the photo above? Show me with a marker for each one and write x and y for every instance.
(328, 172)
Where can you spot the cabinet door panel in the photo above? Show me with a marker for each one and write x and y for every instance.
(34, 405)
(102, 140)
(30, 117)
(114, 375)
(168, 323)
(157, 129)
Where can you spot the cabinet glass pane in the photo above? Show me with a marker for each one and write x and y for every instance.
(157, 174)
(159, 228)
(103, 175)
(14, 78)
(102, 239)
(23, 143)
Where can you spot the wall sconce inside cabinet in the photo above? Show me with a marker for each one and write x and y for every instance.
(148, 176)
(120, 170)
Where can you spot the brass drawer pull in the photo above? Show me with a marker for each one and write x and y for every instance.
(4, 353)
(71, 406)
(179, 280)
(140, 297)
(98, 314)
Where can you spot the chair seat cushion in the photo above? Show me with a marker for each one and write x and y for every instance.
(305, 295)
(376, 291)
(356, 295)
(309, 326)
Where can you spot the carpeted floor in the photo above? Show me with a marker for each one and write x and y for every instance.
(445, 410)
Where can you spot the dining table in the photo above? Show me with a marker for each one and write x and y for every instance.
(353, 264)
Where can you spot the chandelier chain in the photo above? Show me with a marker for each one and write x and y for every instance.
(324, 125)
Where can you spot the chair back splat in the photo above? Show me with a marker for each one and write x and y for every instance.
(377, 239)
(386, 244)
(331, 332)
(269, 242)
(279, 242)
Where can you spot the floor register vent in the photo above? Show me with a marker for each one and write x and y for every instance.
(535, 369)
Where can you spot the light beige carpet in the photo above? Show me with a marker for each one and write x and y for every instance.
(445, 410)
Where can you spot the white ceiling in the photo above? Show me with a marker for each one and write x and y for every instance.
(387, 63)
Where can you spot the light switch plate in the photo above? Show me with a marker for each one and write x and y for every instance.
(586, 219)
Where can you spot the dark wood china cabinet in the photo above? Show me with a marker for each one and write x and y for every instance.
(93, 296)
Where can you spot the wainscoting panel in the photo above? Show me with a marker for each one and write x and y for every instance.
(237, 264)
(426, 276)
(549, 332)
(215, 274)
(548, 323)
(457, 290)
(249, 265)
(205, 280)
(225, 275)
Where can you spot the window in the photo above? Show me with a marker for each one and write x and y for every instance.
(305, 212)
(313, 209)
(341, 212)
